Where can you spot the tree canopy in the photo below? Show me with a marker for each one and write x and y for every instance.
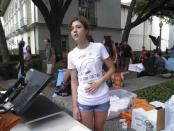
(144, 9)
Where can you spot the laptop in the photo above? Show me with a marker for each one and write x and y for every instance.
(35, 81)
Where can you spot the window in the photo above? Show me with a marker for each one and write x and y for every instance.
(87, 9)
(84, 8)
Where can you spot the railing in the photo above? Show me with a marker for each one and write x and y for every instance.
(16, 26)
(25, 22)
(93, 21)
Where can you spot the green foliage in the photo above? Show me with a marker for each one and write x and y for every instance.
(161, 8)
(14, 51)
(140, 4)
(36, 64)
(160, 92)
(59, 65)
(8, 70)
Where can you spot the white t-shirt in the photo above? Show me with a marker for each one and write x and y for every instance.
(88, 62)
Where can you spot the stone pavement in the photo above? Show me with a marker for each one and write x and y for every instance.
(131, 83)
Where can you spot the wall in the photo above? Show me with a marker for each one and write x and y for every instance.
(108, 23)
(171, 38)
(108, 13)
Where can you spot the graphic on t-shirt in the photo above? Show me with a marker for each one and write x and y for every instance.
(85, 67)
(87, 70)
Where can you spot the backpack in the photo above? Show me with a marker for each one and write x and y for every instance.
(64, 89)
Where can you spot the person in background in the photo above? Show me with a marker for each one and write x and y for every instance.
(50, 57)
(90, 93)
(159, 64)
(127, 54)
(167, 51)
(27, 53)
(143, 54)
(119, 48)
(27, 57)
(135, 58)
(148, 64)
(110, 47)
(172, 52)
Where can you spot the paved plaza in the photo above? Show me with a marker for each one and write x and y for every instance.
(131, 83)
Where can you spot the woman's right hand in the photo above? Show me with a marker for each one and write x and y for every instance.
(76, 113)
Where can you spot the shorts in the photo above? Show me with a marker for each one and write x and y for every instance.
(100, 108)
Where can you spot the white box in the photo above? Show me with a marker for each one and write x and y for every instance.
(140, 117)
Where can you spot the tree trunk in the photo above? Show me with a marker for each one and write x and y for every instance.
(53, 19)
(56, 40)
(128, 26)
(126, 33)
(3, 45)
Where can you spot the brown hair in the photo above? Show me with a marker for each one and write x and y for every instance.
(82, 20)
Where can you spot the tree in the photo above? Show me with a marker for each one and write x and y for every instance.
(3, 45)
(53, 18)
(144, 9)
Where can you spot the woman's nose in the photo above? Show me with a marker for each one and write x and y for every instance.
(75, 29)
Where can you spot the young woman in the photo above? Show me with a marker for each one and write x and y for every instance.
(90, 97)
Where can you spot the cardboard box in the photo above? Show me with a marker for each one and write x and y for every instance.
(155, 117)
(160, 118)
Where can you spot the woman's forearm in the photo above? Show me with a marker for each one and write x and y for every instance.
(74, 92)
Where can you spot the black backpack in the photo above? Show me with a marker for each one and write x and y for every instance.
(64, 89)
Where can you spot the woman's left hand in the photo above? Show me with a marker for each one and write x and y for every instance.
(93, 86)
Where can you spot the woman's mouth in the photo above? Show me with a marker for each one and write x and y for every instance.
(75, 35)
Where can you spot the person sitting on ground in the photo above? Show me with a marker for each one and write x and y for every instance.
(143, 54)
(172, 52)
(159, 64)
(135, 58)
(148, 64)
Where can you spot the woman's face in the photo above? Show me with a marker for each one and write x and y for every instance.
(78, 32)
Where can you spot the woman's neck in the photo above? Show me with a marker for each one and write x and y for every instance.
(83, 44)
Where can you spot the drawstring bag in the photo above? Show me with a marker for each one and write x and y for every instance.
(118, 82)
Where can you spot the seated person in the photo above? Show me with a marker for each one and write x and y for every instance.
(143, 54)
(148, 64)
(159, 64)
(166, 62)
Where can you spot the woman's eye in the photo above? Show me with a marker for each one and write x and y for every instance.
(78, 27)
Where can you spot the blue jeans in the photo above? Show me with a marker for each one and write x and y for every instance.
(88, 108)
